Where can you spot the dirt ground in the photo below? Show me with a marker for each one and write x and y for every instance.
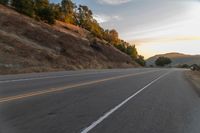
(27, 46)
(194, 78)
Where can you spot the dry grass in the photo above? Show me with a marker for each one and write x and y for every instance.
(30, 46)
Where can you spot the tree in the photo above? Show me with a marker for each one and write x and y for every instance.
(84, 17)
(44, 11)
(41, 4)
(162, 61)
(4, 2)
(140, 60)
(67, 7)
(113, 37)
(57, 11)
(24, 6)
(96, 29)
(47, 15)
(132, 51)
(121, 47)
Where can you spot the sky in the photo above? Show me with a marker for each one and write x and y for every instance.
(154, 26)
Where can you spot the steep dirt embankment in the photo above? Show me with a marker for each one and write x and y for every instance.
(30, 46)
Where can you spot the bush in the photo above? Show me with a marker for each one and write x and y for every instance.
(4, 2)
(24, 6)
(46, 14)
(183, 66)
(140, 60)
(162, 61)
(195, 67)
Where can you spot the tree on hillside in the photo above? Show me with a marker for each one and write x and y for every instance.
(162, 61)
(44, 11)
(24, 6)
(57, 11)
(68, 7)
(96, 29)
(113, 36)
(140, 60)
(84, 17)
(46, 14)
(4, 2)
(41, 3)
(132, 51)
(122, 47)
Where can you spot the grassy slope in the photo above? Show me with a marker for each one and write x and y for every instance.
(30, 46)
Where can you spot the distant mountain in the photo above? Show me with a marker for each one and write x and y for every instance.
(177, 59)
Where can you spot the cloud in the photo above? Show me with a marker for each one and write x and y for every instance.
(113, 2)
(165, 40)
(101, 18)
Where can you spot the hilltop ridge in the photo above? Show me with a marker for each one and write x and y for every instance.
(177, 59)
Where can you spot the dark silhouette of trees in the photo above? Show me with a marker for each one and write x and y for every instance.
(4, 2)
(24, 6)
(195, 67)
(46, 14)
(162, 61)
(44, 11)
(57, 10)
(140, 60)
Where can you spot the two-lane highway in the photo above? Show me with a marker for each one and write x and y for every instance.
(110, 101)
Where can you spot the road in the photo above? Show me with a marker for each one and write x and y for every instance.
(99, 101)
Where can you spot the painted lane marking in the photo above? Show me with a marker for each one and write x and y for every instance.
(52, 77)
(48, 77)
(102, 118)
(51, 90)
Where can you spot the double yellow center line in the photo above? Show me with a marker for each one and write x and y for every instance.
(51, 90)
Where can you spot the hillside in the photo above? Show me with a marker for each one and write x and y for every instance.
(30, 46)
(177, 59)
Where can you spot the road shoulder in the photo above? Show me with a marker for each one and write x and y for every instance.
(194, 78)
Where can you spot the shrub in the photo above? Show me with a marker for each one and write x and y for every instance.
(162, 61)
(4, 2)
(46, 14)
(24, 6)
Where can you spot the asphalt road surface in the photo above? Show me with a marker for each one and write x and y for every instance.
(99, 101)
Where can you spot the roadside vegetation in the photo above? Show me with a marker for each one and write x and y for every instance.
(195, 67)
(163, 61)
(81, 15)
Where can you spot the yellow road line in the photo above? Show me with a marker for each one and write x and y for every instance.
(51, 90)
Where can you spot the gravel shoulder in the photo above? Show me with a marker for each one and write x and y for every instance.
(194, 78)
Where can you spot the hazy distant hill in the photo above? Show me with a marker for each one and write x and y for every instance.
(177, 59)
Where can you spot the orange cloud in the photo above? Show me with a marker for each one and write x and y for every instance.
(165, 39)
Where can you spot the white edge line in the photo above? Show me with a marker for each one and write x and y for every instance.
(94, 124)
